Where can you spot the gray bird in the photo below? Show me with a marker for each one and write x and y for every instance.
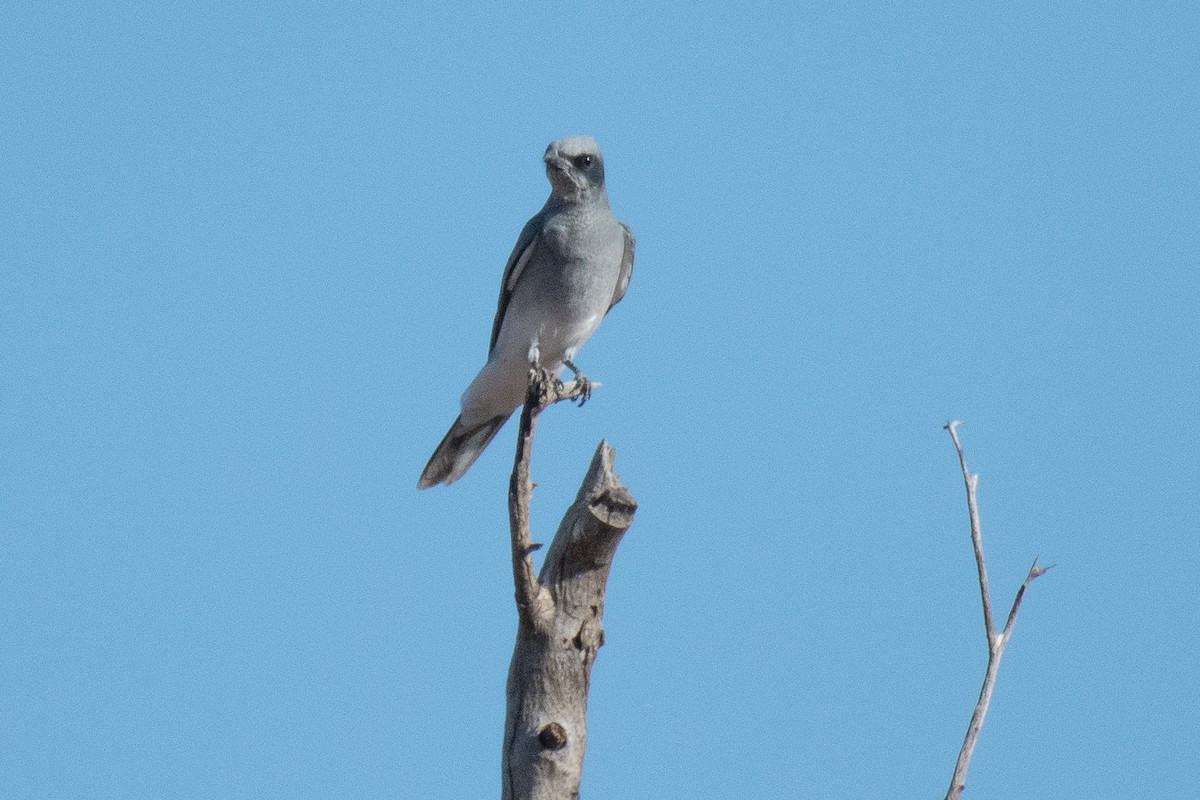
(571, 264)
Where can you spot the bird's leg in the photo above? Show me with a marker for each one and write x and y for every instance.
(585, 385)
(542, 382)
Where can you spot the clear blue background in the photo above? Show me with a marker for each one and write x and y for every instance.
(250, 259)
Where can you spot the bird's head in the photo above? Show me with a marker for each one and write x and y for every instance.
(575, 168)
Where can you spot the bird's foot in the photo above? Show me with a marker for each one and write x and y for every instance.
(582, 381)
(544, 386)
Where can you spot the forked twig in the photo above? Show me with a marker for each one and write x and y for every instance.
(996, 641)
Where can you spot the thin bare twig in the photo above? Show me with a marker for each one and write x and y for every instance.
(544, 390)
(972, 483)
(1034, 572)
(996, 642)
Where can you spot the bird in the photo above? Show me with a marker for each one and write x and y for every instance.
(571, 264)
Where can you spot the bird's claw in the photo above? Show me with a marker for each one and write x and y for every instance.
(585, 388)
(582, 383)
(543, 386)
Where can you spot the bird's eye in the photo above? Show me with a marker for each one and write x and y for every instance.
(583, 161)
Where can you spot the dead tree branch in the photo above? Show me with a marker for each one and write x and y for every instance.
(559, 613)
(996, 642)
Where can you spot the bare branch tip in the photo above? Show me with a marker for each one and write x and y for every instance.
(952, 425)
(1036, 572)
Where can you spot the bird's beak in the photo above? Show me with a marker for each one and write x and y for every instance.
(559, 172)
(555, 160)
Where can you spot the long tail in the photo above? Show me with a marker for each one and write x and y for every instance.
(458, 451)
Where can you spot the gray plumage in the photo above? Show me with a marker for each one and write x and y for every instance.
(571, 264)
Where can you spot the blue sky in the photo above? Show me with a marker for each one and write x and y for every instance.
(250, 261)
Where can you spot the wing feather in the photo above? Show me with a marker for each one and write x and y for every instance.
(513, 270)
(626, 267)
